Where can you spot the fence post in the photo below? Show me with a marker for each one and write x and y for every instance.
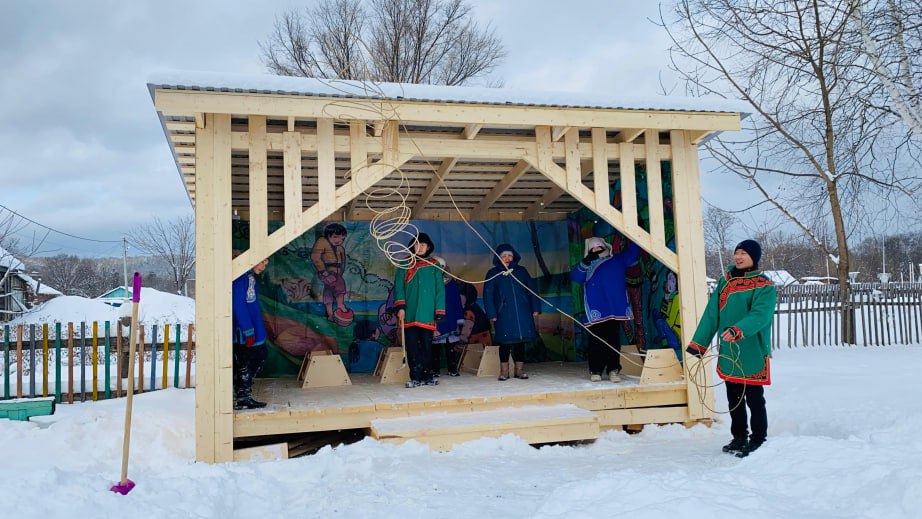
(6, 361)
(70, 363)
(166, 356)
(94, 358)
(140, 358)
(189, 355)
(57, 362)
(176, 362)
(19, 360)
(32, 360)
(153, 357)
(44, 359)
(83, 361)
(108, 361)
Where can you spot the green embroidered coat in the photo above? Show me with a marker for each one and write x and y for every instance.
(420, 291)
(745, 306)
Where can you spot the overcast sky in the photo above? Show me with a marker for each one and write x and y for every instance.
(82, 151)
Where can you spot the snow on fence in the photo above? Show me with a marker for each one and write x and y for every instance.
(50, 354)
(885, 314)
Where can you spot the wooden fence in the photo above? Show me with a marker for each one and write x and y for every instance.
(811, 315)
(42, 352)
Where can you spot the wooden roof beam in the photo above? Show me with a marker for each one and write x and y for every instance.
(184, 102)
(629, 134)
(434, 184)
(471, 131)
(508, 180)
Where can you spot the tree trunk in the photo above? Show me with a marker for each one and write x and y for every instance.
(845, 290)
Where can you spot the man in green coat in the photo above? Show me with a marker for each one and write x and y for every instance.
(741, 310)
(419, 296)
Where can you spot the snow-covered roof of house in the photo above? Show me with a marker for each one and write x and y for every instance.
(9, 262)
(781, 277)
(43, 289)
(285, 85)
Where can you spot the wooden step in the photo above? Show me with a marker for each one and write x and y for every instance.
(534, 424)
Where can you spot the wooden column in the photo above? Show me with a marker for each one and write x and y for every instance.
(686, 198)
(214, 412)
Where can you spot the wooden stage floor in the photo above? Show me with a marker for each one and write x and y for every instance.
(292, 409)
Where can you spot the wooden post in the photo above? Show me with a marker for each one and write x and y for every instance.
(689, 231)
(6, 361)
(106, 346)
(83, 361)
(57, 363)
(189, 356)
(153, 357)
(32, 361)
(44, 359)
(19, 359)
(176, 363)
(94, 358)
(140, 386)
(166, 355)
(214, 412)
(118, 358)
(70, 363)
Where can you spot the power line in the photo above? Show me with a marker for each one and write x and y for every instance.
(57, 231)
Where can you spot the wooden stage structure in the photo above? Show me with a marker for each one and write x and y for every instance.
(304, 151)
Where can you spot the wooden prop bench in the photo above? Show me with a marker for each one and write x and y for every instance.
(534, 424)
(480, 359)
(323, 369)
(23, 408)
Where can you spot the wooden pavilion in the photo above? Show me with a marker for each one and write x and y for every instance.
(305, 150)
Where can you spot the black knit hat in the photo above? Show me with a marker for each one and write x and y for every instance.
(752, 248)
(422, 238)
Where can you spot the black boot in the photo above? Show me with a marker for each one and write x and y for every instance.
(243, 398)
(750, 447)
(735, 445)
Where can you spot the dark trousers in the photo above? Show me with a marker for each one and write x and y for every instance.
(601, 355)
(452, 357)
(419, 352)
(741, 396)
(517, 349)
(247, 363)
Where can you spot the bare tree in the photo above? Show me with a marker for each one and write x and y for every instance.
(173, 242)
(811, 144)
(404, 41)
(891, 39)
(71, 275)
(718, 232)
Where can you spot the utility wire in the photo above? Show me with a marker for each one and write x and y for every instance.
(57, 231)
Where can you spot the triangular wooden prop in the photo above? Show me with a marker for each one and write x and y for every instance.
(322, 369)
(661, 367)
(481, 360)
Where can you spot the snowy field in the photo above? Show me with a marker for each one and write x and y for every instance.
(844, 441)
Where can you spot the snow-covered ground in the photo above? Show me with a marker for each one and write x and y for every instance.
(844, 442)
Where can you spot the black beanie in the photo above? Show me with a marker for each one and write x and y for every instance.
(422, 238)
(752, 248)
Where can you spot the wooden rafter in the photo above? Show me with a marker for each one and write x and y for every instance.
(629, 134)
(508, 180)
(434, 184)
(471, 131)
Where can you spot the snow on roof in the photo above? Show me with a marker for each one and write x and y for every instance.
(156, 308)
(43, 289)
(780, 277)
(8, 261)
(286, 85)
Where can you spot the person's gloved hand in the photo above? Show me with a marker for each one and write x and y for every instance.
(590, 257)
(250, 340)
(327, 278)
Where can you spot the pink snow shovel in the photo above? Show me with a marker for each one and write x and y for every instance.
(125, 485)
